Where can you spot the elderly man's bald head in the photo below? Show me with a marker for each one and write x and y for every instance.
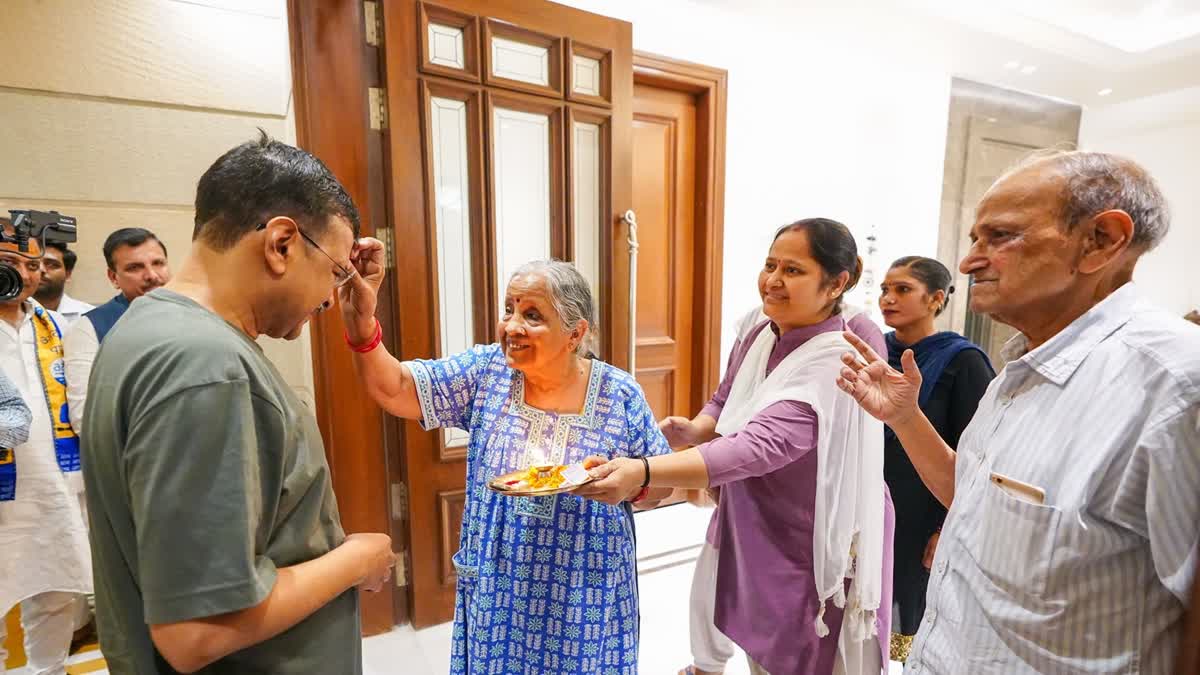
(1091, 183)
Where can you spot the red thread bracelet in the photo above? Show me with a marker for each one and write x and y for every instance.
(640, 496)
(371, 344)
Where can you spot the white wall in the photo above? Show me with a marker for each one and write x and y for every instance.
(815, 126)
(116, 128)
(841, 111)
(1163, 134)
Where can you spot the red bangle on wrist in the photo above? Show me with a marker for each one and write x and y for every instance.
(640, 496)
(370, 344)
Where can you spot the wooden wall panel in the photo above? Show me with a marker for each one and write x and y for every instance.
(227, 55)
(84, 149)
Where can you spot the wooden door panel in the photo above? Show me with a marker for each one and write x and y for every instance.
(494, 103)
(526, 180)
(589, 210)
(522, 59)
(664, 200)
(451, 504)
(659, 386)
(654, 197)
(449, 42)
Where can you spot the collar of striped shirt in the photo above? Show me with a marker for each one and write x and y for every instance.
(1060, 356)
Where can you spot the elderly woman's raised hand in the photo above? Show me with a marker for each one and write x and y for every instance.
(359, 297)
(885, 393)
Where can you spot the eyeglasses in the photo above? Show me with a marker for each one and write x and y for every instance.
(343, 275)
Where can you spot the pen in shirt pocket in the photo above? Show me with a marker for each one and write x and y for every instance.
(1019, 490)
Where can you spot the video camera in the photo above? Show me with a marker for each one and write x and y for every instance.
(31, 226)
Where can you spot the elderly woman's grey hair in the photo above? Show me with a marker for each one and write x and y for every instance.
(1096, 182)
(569, 292)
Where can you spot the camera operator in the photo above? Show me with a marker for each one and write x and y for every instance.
(46, 564)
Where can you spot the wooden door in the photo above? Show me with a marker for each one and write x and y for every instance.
(664, 179)
(510, 127)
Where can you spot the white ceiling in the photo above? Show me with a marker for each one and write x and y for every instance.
(1073, 49)
(1133, 26)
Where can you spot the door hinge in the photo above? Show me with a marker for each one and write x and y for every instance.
(399, 501)
(374, 23)
(385, 236)
(377, 107)
(401, 571)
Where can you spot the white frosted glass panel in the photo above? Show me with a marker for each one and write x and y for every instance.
(587, 203)
(446, 46)
(521, 181)
(452, 192)
(521, 62)
(586, 77)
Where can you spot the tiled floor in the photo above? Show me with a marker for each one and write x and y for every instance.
(668, 542)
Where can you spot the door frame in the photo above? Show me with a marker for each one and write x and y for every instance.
(332, 68)
(710, 86)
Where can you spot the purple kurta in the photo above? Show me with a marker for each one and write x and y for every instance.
(766, 598)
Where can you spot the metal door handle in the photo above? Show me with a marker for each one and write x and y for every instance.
(630, 219)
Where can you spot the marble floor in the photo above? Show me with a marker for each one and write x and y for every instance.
(668, 543)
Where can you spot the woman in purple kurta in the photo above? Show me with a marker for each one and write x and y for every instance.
(767, 595)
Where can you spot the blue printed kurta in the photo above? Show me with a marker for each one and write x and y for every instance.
(545, 584)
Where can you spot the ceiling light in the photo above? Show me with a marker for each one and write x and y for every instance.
(1104, 92)
(1012, 65)
(1029, 70)
(992, 120)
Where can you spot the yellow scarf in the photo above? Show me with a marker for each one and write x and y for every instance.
(49, 353)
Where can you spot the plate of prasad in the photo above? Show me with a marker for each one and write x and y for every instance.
(541, 481)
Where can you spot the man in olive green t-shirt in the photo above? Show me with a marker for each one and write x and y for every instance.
(215, 533)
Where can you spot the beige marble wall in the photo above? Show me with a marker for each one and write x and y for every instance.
(1019, 119)
(116, 128)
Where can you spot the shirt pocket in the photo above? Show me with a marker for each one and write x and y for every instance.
(1014, 547)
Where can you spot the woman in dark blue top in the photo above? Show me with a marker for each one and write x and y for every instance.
(955, 375)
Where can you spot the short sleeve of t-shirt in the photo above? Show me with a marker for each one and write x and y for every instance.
(446, 387)
(198, 513)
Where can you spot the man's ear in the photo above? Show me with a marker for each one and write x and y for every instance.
(1108, 236)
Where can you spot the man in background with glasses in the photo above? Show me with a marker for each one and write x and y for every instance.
(216, 534)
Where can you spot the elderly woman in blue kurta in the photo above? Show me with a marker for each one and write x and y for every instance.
(545, 584)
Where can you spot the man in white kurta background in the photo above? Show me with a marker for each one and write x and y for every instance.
(46, 565)
(58, 264)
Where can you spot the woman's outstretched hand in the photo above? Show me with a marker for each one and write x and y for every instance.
(885, 393)
(614, 481)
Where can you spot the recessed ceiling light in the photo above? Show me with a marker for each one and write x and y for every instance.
(1104, 92)
(1029, 70)
(1012, 65)
(992, 120)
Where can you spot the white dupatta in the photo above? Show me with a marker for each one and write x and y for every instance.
(848, 523)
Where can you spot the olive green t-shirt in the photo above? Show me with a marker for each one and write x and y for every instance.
(205, 474)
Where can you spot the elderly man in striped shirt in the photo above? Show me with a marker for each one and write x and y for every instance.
(1071, 540)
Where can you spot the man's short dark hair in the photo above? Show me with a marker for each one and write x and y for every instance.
(68, 256)
(128, 236)
(261, 179)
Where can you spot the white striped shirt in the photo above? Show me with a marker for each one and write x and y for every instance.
(1105, 418)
